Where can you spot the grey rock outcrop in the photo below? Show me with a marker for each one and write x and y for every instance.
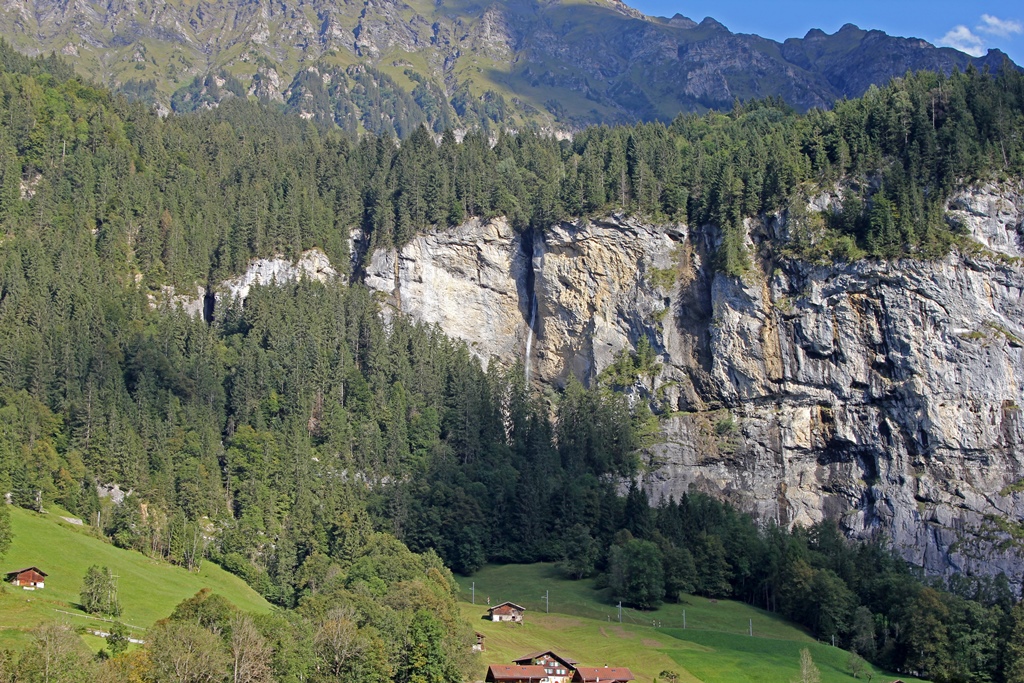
(313, 264)
(470, 281)
(993, 216)
(883, 395)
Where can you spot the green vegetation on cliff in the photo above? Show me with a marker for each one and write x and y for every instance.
(191, 198)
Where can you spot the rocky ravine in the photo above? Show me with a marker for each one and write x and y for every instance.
(884, 395)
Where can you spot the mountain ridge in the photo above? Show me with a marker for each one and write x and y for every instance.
(387, 66)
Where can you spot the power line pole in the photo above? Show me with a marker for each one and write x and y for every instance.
(684, 618)
(620, 612)
(473, 591)
(112, 593)
(751, 628)
(547, 605)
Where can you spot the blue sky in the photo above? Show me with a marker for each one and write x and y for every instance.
(964, 25)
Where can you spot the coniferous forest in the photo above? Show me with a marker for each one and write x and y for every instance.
(342, 464)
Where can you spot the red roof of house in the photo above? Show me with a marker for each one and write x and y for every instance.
(568, 661)
(512, 672)
(506, 608)
(511, 605)
(604, 674)
(37, 570)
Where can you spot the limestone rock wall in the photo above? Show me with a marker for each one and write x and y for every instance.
(884, 395)
(470, 280)
(312, 264)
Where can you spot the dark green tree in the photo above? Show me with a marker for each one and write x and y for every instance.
(99, 592)
(580, 552)
(1014, 656)
(117, 640)
(6, 534)
(635, 574)
(426, 658)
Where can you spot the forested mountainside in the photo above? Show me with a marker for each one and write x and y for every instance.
(315, 439)
(388, 67)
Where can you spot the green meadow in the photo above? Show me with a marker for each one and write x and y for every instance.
(148, 589)
(715, 647)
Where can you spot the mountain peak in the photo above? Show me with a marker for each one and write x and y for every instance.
(682, 22)
(547, 64)
(710, 22)
(849, 28)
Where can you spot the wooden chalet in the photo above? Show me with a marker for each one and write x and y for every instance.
(514, 673)
(604, 674)
(506, 611)
(559, 669)
(29, 578)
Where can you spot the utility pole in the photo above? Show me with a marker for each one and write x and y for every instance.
(620, 612)
(472, 590)
(684, 618)
(112, 592)
(547, 605)
(751, 628)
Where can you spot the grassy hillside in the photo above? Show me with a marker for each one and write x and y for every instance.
(715, 647)
(148, 589)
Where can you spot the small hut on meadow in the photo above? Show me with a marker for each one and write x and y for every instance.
(29, 578)
(506, 611)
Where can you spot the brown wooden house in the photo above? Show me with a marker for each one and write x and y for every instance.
(29, 578)
(604, 674)
(558, 668)
(514, 673)
(506, 611)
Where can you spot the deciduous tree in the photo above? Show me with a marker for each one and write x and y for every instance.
(99, 592)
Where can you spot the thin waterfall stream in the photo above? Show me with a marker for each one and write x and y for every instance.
(530, 251)
(529, 334)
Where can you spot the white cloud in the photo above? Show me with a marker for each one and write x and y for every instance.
(999, 27)
(963, 39)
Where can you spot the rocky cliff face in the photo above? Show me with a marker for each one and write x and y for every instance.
(884, 395)
(470, 280)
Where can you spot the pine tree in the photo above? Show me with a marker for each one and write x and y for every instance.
(1014, 655)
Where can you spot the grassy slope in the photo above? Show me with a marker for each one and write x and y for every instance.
(714, 648)
(148, 589)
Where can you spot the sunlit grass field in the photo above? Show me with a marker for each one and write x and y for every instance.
(148, 589)
(715, 647)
